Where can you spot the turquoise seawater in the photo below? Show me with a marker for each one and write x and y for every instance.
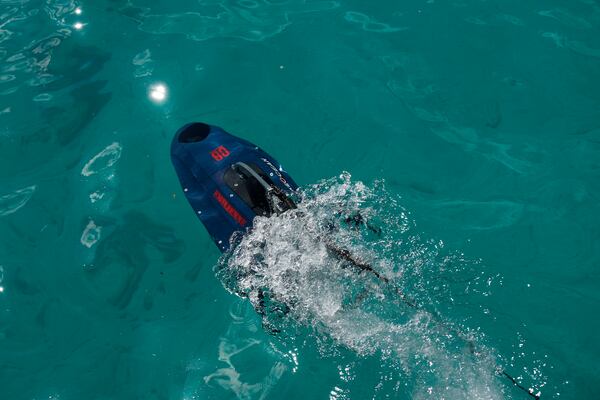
(468, 130)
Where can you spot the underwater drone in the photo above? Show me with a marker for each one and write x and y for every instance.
(229, 182)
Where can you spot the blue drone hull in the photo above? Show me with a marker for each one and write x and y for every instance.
(202, 156)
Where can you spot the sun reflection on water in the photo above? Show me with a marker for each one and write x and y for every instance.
(158, 92)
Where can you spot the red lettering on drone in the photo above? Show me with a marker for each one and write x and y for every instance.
(229, 208)
(220, 153)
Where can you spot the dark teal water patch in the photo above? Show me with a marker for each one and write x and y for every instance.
(482, 117)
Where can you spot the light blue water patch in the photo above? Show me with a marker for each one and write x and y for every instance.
(369, 24)
(471, 136)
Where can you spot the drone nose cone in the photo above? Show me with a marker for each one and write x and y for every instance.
(193, 132)
(189, 135)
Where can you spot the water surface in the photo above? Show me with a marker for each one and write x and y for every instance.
(481, 118)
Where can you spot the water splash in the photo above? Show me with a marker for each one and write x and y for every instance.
(287, 268)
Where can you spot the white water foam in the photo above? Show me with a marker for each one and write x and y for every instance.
(287, 268)
(91, 234)
(12, 202)
(103, 160)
